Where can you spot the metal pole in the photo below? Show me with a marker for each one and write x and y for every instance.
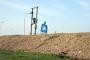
(36, 19)
(31, 21)
(24, 24)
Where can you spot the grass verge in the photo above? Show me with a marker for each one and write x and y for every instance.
(9, 55)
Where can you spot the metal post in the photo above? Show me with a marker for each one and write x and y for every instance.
(24, 25)
(36, 19)
(31, 21)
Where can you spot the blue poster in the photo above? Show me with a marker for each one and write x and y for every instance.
(44, 28)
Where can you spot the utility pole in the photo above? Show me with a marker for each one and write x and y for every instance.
(31, 21)
(34, 19)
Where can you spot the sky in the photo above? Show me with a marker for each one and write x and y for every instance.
(60, 16)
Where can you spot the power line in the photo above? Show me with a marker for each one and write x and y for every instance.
(35, 2)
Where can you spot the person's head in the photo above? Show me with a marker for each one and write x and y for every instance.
(44, 22)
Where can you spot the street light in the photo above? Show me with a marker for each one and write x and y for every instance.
(24, 22)
(24, 25)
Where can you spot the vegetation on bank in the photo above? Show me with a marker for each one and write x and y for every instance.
(9, 55)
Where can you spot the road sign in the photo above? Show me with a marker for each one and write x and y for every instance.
(44, 28)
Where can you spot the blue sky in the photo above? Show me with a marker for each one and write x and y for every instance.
(60, 15)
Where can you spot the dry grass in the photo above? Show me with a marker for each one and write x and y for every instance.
(72, 44)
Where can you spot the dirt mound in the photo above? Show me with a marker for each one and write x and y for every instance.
(70, 44)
